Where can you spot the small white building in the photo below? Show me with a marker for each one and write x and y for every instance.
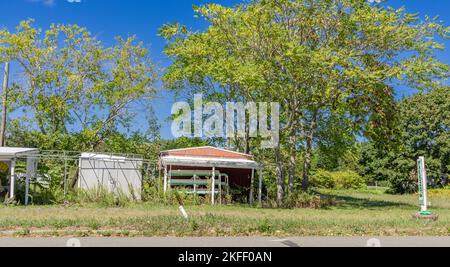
(119, 175)
(10, 155)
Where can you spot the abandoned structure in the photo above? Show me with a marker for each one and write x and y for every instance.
(209, 171)
(116, 174)
(205, 171)
(10, 156)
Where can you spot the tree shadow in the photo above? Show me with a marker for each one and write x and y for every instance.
(364, 203)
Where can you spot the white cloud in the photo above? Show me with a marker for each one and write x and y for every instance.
(44, 2)
(51, 3)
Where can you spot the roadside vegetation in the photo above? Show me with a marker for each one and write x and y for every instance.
(355, 213)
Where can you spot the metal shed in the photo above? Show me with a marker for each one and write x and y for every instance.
(223, 167)
(10, 155)
(113, 173)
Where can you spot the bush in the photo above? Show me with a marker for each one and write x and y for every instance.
(323, 179)
(337, 180)
(348, 180)
(403, 183)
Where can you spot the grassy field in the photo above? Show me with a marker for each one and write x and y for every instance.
(357, 213)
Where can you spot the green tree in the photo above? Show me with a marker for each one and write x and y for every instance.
(322, 60)
(73, 86)
(425, 125)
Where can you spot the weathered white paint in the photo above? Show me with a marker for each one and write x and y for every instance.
(12, 186)
(115, 174)
(9, 153)
(183, 212)
(260, 187)
(210, 162)
(165, 179)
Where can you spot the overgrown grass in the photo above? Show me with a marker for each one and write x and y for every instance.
(356, 213)
(443, 192)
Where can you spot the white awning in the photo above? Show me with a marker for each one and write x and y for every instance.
(9, 153)
(210, 162)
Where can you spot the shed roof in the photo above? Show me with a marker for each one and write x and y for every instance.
(109, 157)
(15, 152)
(206, 152)
(210, 162)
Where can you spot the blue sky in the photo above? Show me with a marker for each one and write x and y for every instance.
(109, 18)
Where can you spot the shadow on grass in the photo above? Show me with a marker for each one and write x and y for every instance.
(350, 202)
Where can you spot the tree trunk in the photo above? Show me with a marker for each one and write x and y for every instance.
(307, 165)
(74, 180)
(247, 138)
(292, 164)
(280, 176)
(308, 153)
(5, 106)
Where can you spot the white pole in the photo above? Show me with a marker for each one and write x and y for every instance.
(165, 179)
(183, 212)
(423, 181)
(220, 189)
(252, 180)
(13, 178)
(260, 187)
(213, 190)
(169, 183)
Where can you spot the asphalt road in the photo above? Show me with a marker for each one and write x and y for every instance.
(229, 242)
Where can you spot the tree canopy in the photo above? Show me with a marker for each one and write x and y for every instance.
(424, 125)
(333, 65)
(71, 84)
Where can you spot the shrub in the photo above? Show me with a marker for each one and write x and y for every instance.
(323, 179)
(348, 180)
(337, 180)
(403, 183)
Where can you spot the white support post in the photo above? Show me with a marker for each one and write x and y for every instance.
(220, 189)
(30, 170)
(165, 179)
(423, 183)
(213, 183)
(260, 187)
(252, 181)
(13, 178)
(169, 184)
